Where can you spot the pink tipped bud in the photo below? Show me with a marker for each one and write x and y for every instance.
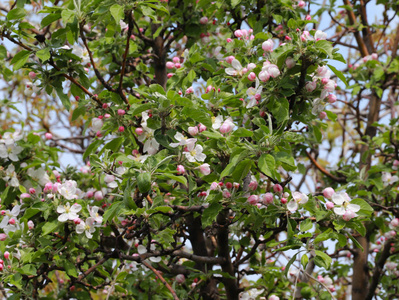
(253, 199)
(208, 89)
(268, 198)
(48, 136)
(277, 188)
(107, 116)
(32, 191)
(229, 185)
(329, 205)
(328, 192)
(205, 169)
(201, 127)
(331, 98)
(252, 76)
(170, 65)
(77, 221)
(121, 112)
(283, 200)
(89, 194)
(325, 80)
(98, 196)
(121, 129)
(176, 59)
(193, 130)
(229, 40)
(238, 33)
(268, 45)
(308, 18)
(3, 237)
(169, 75)
(139, 131)
(214, 186)
(31, 225)
(3, 212)
(290, 62)
(180, 169)
(98, 134)
(310, 86)
(301, 4)
(226, 194)
(32, 75)
(236, 185)
(180, 278)
(11, 221)
(258, 97)
(203, 20)
(177, 65)
(323, 115)
(105, 105)
(229, 59)
(253, 185)
(287, 38)
(24, 196)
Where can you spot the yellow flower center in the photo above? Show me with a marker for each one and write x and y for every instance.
(193, 152)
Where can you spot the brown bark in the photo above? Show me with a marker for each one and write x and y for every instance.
(160, 58)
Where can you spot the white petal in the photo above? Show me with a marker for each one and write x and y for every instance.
(76, 208)
(292, 206)
(231, 71)
(339, 211)
(88, 234)
(80, 228)
(353, 207)
(15, 211)
(63, 218)
(141, 249)
(61, 209)
(200, 157)
(338, 198)
(155, 259)
(236, 64)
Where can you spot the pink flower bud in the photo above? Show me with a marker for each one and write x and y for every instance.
(264, 76)
(268, 45)
(48, 136)
(323, 115)
(89, 194)
(3, 237)
(227, 126)
(31, 225)
(176, 59)
(310, 86)
(107, 116)
(328, 192)
(252, 76)
(287, 38)
(329, 205)
(230, 58)
(374, 56)
(229, 185)
(283, 200)
(214, 186)
(121, 112)
(201, 127)
(229, 40)
(98, 196)
(190, 90)
(308, 18)
(24, 196)
(251, 66)
(203, 20)
(226, 194)
(331, 98)
(32, 191)
(348, 215)
(205, 169)
(193, 130)
(170, 65)
(98, 134)
(290, 62)
(121, 129)
(253, 199)
(244, 70)
(139, 131)
(177, 65)
(236, 185)
(258, 97)
(3, 212)
(169, 75)
(32, 75)
(77, 221)
(180, 278)
(277, 188)
(105, 105)
(11, 221)
(253, 185)
(48, 187)
(238, 33)
(301, 4)
(394, 222)
(268, 198)
(180, 169)
(324, 80)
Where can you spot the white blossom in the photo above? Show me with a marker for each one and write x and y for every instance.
(297, 198)
(236, 69)
(68, 190)
(343, 201)
(194, 153)
(11, 176)
(183, 140)
(86, 227)
(68, 212)
(94, 214)
(10, 151)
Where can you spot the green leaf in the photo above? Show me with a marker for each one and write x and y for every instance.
(20, 59)
(242, 132)
(79, 111)
(28, 269)
(304, 260)
(324, 46)
(64, 98)
(210, 213)
(180, 179)
(191, 75)
(117, 12)
(43, 54)
(144, 182)
(291, 261)
(355, 242)
(50, 227)
(70, 269)
(287, 160)
(111, 212)
(212, 135)
(197, 115)
(93, 146)
(115, 144)
(234, 3)
(68, 16)
(365, 208)
(267, 164)
(50, 18)
(322, 259)
(339, 74)
(16, 13)
(323, 236)
(306, 225)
